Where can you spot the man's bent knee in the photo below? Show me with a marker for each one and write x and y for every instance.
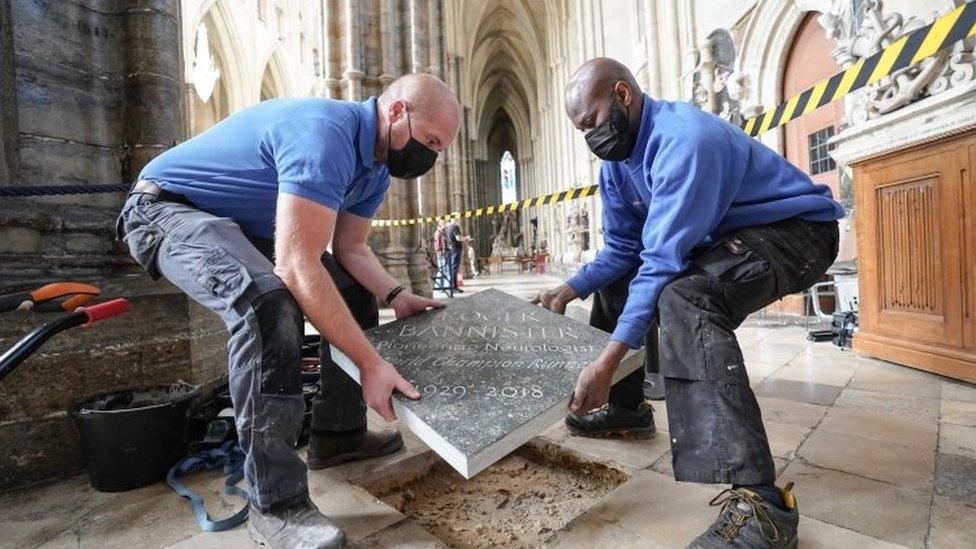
(281, 324)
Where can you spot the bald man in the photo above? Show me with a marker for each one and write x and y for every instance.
(240, 218)
(703, 225)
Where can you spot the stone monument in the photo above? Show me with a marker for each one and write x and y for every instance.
(492, 369)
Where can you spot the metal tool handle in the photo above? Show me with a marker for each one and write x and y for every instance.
(84, 316)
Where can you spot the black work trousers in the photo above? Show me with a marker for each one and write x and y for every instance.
(716, 428)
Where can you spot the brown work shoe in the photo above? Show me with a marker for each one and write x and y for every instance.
(328, 452)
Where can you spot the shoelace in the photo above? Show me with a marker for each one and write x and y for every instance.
(730, 499)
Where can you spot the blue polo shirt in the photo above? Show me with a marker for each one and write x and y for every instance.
(691, 178)
(319, 149)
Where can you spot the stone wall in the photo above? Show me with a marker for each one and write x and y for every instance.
(97, 93)
(8, 109)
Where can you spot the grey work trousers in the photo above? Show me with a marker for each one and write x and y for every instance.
(218, 266)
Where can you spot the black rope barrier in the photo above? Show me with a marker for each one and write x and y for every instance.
(53, 190)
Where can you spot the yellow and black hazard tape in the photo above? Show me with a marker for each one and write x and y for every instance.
(545, 200)
(920, 44)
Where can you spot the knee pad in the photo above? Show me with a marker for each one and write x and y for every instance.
(282, 327)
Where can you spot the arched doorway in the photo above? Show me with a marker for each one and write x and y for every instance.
(805, 139)
(808, 62)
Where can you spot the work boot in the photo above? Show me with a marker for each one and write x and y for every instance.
(614, 421)
(326, 452)
(302, 526)
(748, 521)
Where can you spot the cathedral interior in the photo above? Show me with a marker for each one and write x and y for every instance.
(880, 438)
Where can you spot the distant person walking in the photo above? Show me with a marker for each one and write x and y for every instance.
(455, 247)
(441, 254)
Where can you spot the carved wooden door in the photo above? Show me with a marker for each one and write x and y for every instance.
(912, 270)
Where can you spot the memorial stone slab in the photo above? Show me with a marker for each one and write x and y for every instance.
(493, 371)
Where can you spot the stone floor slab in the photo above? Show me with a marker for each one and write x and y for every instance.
(592, 532)
(237, 538)
(649, 507)
(630, 454)
(494, 371)
(32, 516)
(958, 439)
(811, 393)
(815, 534)
(888, 378)
(882, 427)
(784, 438)
(953, 524)
(153, 516)
(820, 370)
(759, 370)
(908, 466)
(877, 509)
(792, 412)
(406, 534)
(955, 477)
(925, 410)
(959, 412)
(957, 390)
(357, 511)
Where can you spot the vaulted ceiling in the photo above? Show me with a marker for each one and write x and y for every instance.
(505, 68)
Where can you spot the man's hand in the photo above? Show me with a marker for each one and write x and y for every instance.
(379, 379)
(407, 304)
(593, 386)
(556, 298)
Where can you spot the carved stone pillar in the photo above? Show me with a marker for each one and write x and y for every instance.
(352, 74)
(331, 48)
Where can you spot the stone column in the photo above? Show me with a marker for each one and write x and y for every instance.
(353, 72)
(331, 48)
(115, 75)
(153, 106)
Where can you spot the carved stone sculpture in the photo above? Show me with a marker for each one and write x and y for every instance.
(864, 30)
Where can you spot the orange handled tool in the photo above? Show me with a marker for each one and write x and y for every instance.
(58, 296)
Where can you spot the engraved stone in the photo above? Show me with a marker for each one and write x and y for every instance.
(493, 371)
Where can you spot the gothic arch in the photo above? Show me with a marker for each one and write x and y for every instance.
(274, 82)
(765, 45)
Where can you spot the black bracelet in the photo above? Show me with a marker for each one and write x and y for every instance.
(393, 293)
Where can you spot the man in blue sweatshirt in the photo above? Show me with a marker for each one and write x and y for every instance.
(703, 225)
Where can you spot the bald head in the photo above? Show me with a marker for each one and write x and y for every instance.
(433, 109)
(590, 92)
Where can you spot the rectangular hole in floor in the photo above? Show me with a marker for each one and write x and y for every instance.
(519, 501)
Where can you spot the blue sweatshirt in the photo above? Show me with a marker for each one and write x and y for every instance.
(691, 178)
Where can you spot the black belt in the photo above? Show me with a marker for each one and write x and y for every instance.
(146, 186)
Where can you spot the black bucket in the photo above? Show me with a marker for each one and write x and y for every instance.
(133, 437)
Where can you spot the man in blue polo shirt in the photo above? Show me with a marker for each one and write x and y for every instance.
(703, 225)
(241, 218)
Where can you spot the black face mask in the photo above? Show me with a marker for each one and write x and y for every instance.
(413, 160)
(612, 140)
